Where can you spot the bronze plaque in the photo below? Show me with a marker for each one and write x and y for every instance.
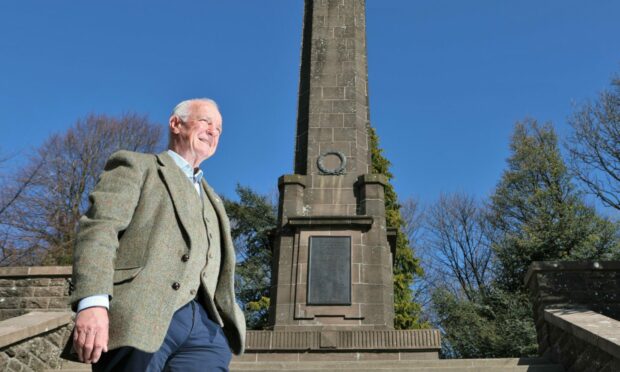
(329, 270)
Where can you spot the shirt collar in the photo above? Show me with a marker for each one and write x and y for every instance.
(186, 167)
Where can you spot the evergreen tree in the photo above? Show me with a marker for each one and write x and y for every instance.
(253, 219)
(537, 213)
(494, 325)
(406, 265)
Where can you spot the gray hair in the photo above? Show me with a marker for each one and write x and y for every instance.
(182, 110)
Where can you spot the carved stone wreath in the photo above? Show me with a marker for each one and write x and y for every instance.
(337, 171)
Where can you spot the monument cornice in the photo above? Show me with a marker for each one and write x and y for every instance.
(357, 221)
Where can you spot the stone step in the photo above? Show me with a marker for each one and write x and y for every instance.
(486, 365)
(447, 365)
(72, 367)
(538, 368)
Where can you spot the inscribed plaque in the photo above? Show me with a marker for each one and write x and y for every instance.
(329, 270)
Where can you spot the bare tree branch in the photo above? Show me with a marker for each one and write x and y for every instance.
(457, 248)
(51, 193)
(594, 146)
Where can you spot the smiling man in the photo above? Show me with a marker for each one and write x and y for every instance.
(154, 260)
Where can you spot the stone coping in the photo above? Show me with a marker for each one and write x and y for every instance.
(594, 328)
(360, 221)
(373, 178)
(35, 271)
(292, 179)
(402, 340)
(302, 179)
(541, 266)
(29, 325)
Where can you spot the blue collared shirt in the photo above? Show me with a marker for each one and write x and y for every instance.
(103, 300)
(193, 176)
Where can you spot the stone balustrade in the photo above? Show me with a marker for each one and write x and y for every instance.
(26, 289)
(583, 340)
(32, 342)
(577, 310)
(35, 320)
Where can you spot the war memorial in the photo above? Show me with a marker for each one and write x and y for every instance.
(332, 305)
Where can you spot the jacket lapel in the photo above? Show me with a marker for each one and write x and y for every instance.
(184, 198)
(228, 250)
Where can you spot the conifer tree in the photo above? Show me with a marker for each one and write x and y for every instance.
(406, 265)
(253, 219)
(537, 212)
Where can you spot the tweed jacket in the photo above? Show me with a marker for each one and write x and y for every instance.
(130, 245)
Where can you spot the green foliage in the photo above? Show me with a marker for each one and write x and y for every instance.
(253, 218)
(406, 266)
(496, 325)
(536, 212)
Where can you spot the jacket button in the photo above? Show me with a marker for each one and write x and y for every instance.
(185, 258)
(176, 286)
(211, 254)
(192, 292)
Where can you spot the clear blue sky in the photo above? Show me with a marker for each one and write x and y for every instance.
(448, 79)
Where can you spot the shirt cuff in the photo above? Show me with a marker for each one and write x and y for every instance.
(92, 301)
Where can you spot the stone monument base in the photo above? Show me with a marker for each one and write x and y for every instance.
(341, 345)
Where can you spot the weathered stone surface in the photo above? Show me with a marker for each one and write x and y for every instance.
(34, 303)
(35, 271)
(9, 303)
(586, 284)
(576, 311)
(23, 289)
(37, 345)
(332, 116)
(333, 84)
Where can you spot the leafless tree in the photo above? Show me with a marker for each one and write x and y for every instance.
(413, 219)
(594, 146)
(456, 246)
(54, 186)
(413, 216)
(9, 195)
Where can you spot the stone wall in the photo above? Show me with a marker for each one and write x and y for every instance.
(33, 342)
(567, 297)
(575, 284)
(26, 289)
(582, 340)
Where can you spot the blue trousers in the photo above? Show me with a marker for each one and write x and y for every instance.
(193, 343)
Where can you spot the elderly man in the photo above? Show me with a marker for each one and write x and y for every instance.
(154, 260)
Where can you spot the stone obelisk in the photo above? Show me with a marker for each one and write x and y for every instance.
(332, 290)
(333, 264)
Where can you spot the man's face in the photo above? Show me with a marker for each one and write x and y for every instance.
(199, 133)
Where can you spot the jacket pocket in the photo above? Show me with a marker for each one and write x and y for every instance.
(125, 274)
